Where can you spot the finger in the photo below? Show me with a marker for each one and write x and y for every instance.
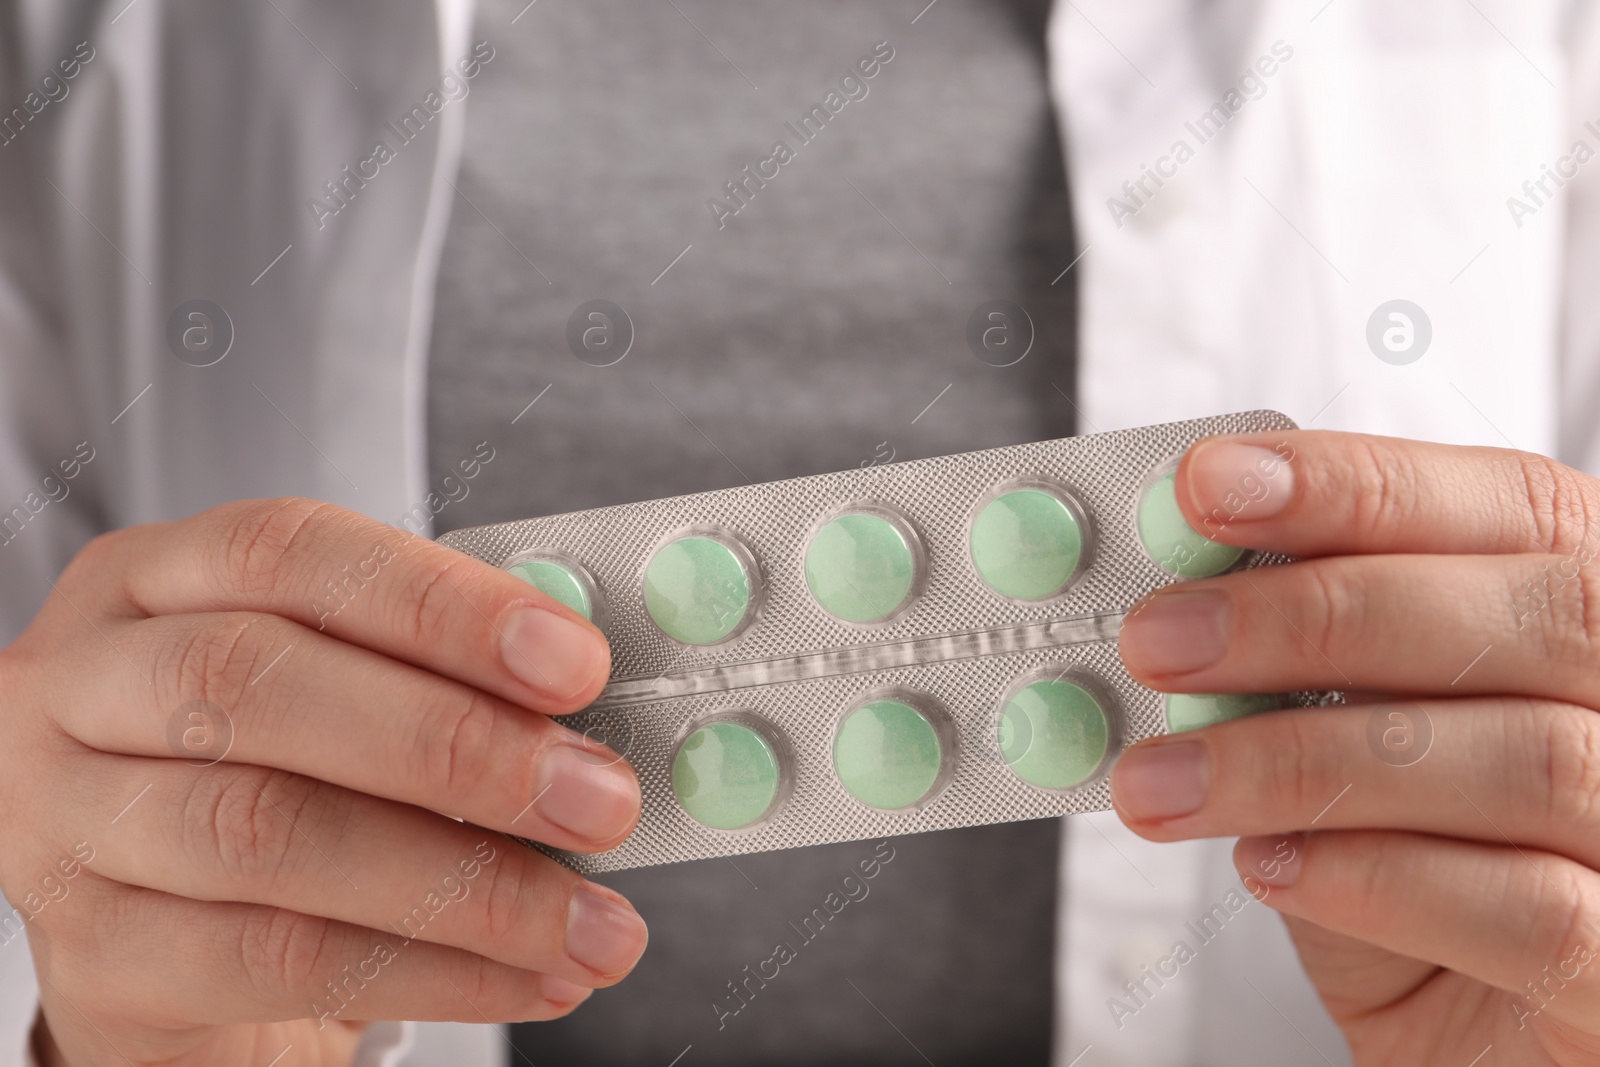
(1419, 767)
(259, 689)
(1522, 922)
(1416, 624)
(166, 963)
(255, 836)
(1314, 493)
(361, 581)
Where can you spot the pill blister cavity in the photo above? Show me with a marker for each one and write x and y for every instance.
(1054, 733)
(557, 581)
(1169, 539)
(863, 565)
(1194, 711)
(727, 774)
(1027, 542)
(893, 752)
(700, 588)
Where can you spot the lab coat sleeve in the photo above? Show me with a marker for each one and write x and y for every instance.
(385, 1045)
(64, 394)
(45, 516)
(1579, 417)
(19, 1000)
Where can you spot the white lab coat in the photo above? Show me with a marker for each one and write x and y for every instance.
(1376, 165)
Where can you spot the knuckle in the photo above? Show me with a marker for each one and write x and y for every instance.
(1300, 774)
(243, 824)
(1332, 604)
(429, 610)
(1571, 772)
(1563, 906)
(213, 660)
(511, 903)
(1570, 628)
(286, 952)
(1384, 872)
(1383, 490)
(455, 745)
(1561, 503)
(1587, 609)
(1555, 606)
(1367, 885)
(260, 540)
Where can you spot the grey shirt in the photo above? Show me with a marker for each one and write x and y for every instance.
(785, 311)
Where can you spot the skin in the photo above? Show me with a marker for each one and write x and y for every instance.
(195, 914)
(1443, 897)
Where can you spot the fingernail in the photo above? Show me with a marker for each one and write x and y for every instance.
(1177, 631)
(603, 935)
(561, 992)
(1230, 482)
(594, 795)
(553, 654)
(1269, 862)
(1161, 781)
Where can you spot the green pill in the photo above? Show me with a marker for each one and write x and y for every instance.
(860, 567)
(557, 580)
(725, 775)
(1026, 544)
(1193, 711)
(1054, 734)
(697, 590)
(887, 754)
(1173, 543)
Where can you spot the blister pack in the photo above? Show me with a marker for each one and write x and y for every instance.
(887, 650)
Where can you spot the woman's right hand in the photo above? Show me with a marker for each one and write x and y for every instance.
(229, 742)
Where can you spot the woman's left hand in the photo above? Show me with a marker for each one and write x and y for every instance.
(1435, 848)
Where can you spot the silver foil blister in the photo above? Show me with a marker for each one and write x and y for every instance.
(796, 669)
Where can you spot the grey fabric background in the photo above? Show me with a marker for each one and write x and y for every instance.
(808, 334)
